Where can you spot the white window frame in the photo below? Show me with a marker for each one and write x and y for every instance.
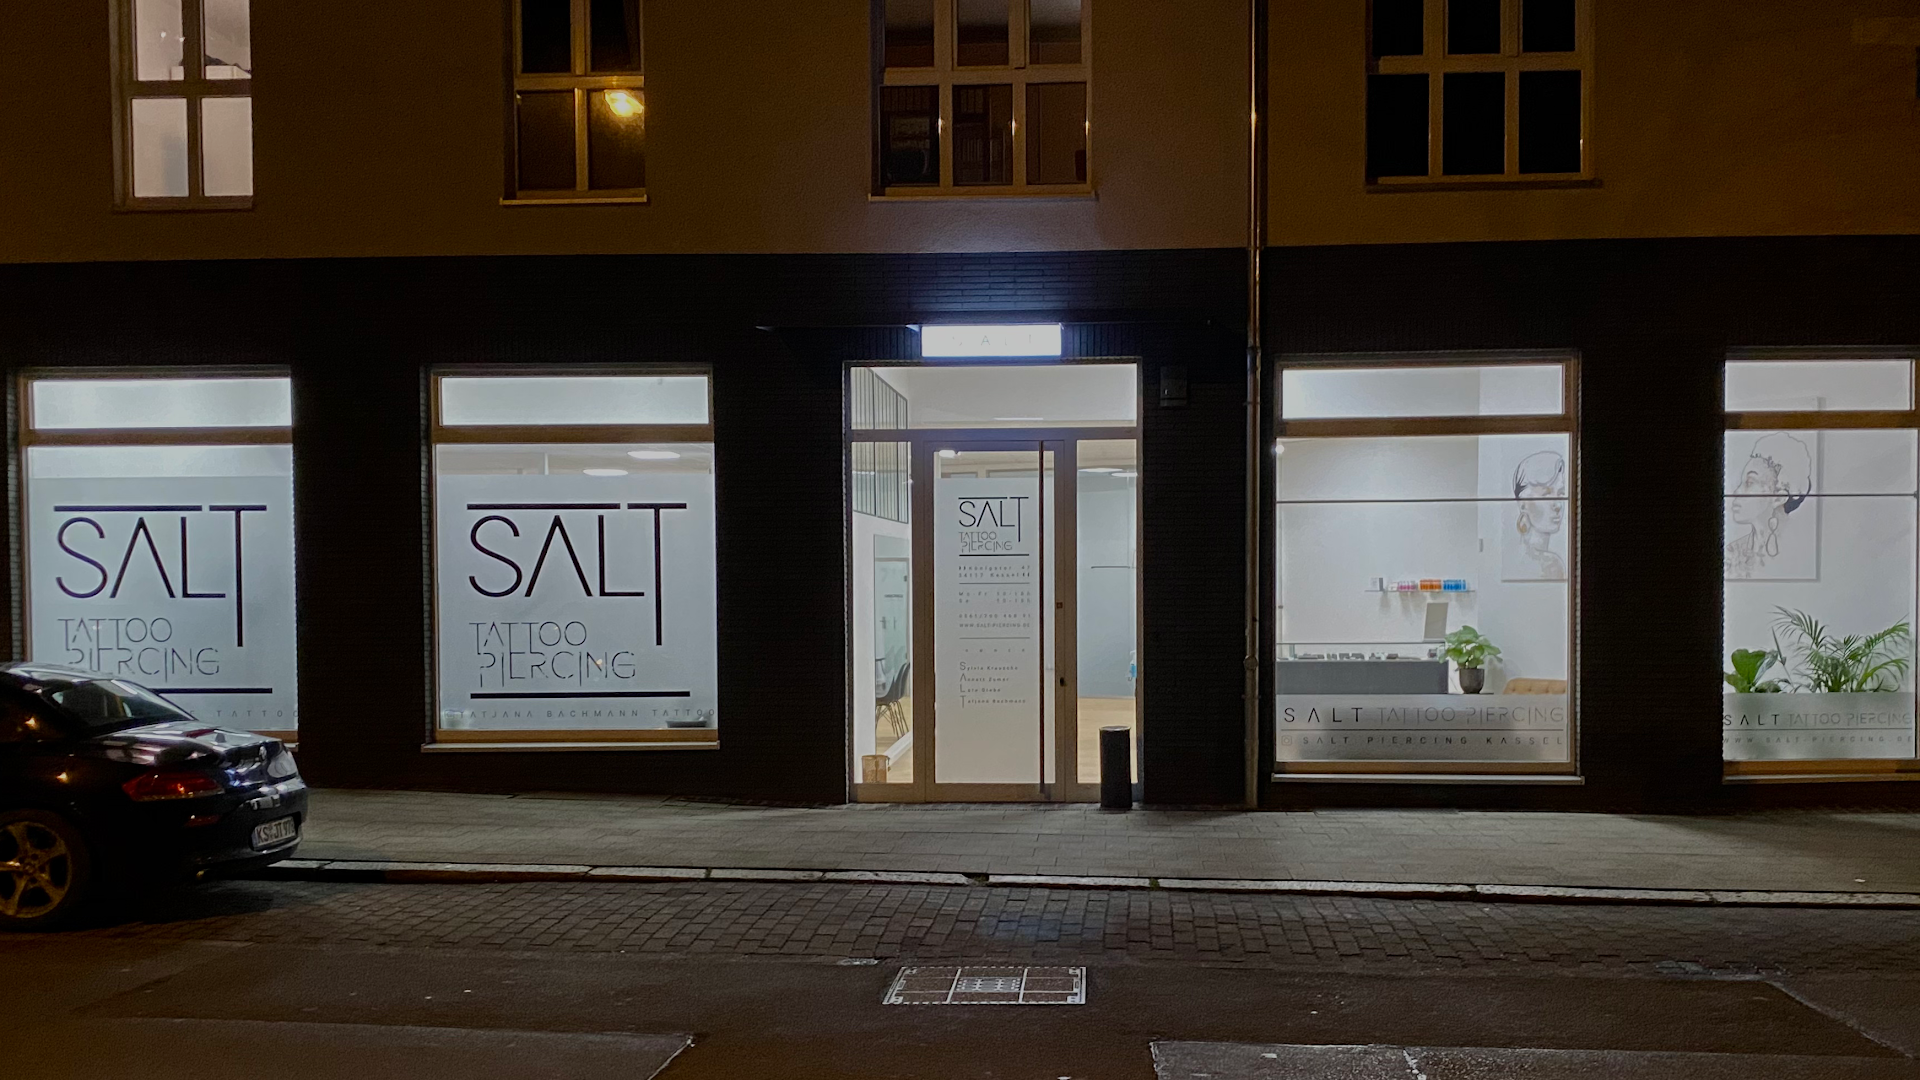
(946, 74)
(193, 86)
(583, 83)
(1436, 64)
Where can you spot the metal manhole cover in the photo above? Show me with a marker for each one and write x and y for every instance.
(988, 986)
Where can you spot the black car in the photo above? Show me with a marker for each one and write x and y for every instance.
(106, 785)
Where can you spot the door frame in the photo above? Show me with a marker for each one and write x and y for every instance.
(925, 443)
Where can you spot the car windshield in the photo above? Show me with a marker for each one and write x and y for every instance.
(111, 703)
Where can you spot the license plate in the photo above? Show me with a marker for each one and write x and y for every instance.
(275, 832)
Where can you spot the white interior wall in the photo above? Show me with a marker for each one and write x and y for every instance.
(865, 528)
(1866, 542)
(1105, 556)
(1330, 552)
(1528, 620)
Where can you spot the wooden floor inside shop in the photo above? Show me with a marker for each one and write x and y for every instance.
(1095, 713)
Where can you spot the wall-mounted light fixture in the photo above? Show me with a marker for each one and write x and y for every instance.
(1022, 340)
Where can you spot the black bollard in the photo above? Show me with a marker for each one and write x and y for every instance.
(1116, 768)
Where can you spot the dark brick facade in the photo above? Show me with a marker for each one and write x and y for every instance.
(1651, 321)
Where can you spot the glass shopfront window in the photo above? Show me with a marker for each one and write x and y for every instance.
(1424, 557)
(159, 529)
(574, 559)
(1819, 560)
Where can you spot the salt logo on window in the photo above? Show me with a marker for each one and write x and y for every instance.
(183, 584)
(576, 602)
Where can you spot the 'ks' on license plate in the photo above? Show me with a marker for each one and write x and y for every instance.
(273, 832)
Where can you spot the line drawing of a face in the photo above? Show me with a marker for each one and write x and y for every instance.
(1540, 485)
(1774, 482)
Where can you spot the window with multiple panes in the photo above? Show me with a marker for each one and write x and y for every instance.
(158, 528)
(574, 560)
(578, 129)
(183, 106)
(1425, 560)
(982, 97)
(1482, 90)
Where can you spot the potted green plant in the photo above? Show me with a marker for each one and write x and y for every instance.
(1470, 650)
(1749, 668)
(1824, 663)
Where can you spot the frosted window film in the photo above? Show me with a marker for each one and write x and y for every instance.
(171, 566)
(576, 587)
(1819, 385)
(159, 147)
(1343, 393)
(670, 399)
(226, 141)
(161, 403)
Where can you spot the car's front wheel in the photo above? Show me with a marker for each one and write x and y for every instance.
(44, 870)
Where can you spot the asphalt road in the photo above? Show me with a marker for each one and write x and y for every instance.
(584, 981)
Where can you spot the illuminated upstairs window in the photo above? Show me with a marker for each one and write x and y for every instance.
(183, 104)
(578, 130)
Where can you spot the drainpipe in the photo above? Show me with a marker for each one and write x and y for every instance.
(1256, 456)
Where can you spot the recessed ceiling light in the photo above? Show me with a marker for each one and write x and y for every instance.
(604, 472)
(653, 455)
(949, 453)
(1103, 468)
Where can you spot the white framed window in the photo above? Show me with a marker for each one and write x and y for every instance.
(574, 562)
(183, 104)
(1820, 515)
(1479, 91)
(983, 97)
(1425, 565)
(577, 129)
(159, 535)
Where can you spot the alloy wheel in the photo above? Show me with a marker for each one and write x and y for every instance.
(36, 870)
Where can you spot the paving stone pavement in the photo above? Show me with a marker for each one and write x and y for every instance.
(922, 923)
(1780, 850)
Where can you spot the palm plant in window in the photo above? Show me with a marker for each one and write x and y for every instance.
(1822, 662)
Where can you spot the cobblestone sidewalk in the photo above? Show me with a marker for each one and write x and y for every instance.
(920, 923)
(1783, 850)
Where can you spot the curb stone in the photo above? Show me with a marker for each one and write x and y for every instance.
(375, 871)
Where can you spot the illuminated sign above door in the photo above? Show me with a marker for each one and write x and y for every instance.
(1023, 340)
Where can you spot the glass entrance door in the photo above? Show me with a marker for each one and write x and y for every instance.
(995, 534)
(996, 609)
(993, 579)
